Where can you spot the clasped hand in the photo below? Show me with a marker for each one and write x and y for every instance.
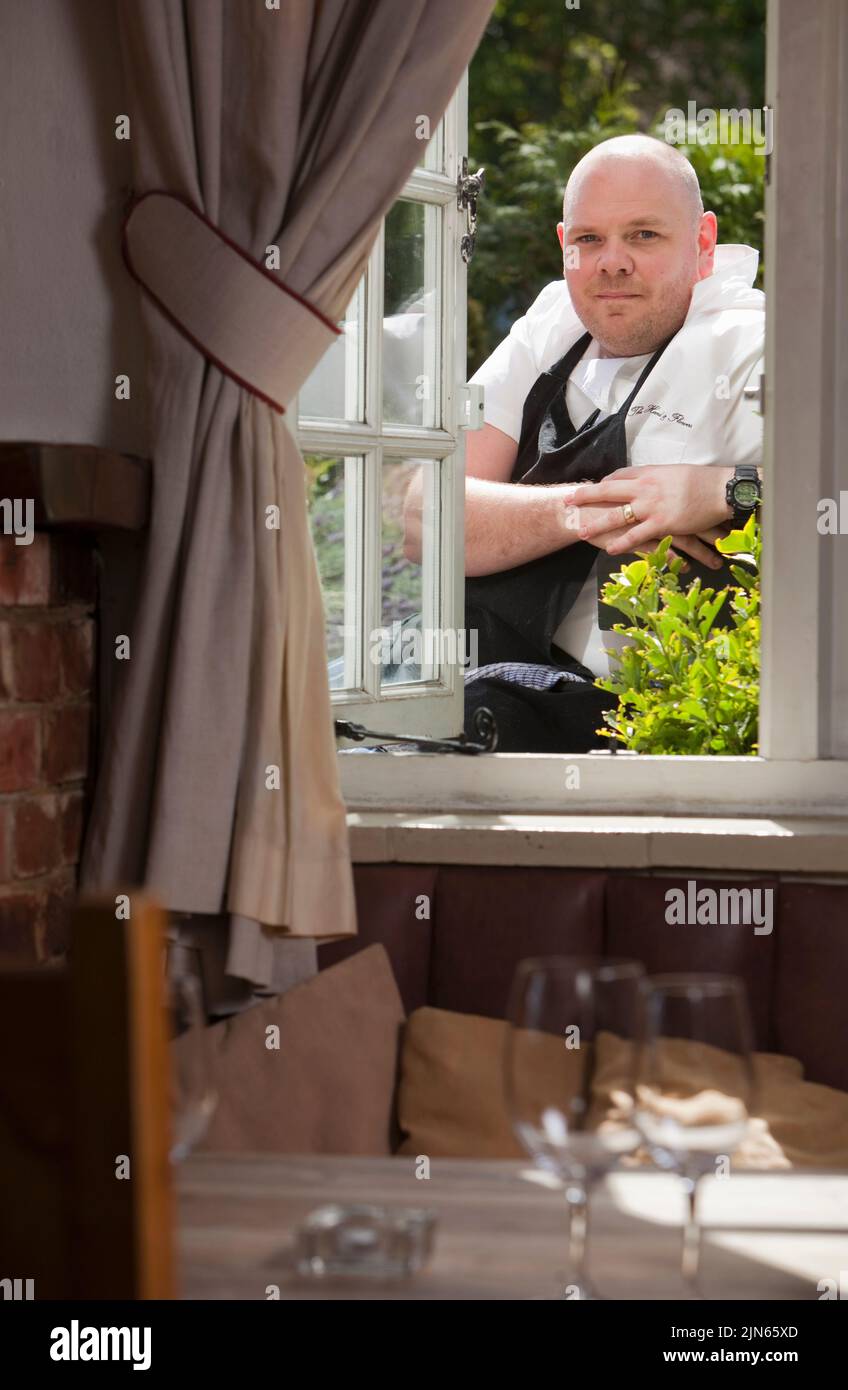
(684, 501)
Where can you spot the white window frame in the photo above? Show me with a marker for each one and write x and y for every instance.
(803, 767)
(432, 706)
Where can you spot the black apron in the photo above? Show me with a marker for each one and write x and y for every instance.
(515, 613)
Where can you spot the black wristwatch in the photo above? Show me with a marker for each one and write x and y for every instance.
(743, 493)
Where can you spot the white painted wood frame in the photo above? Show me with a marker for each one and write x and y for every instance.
(803, 767)
(430, 706)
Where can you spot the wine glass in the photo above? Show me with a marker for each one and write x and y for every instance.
(193, 1098)
(694, 1084)
(569, 1018)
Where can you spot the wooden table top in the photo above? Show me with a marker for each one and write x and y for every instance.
(502, 1230)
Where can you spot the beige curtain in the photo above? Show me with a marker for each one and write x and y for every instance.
(296, 127)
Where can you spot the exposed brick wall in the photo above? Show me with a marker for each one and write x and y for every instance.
(47, 636)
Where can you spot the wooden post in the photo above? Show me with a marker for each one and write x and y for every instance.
(86, 1207)
(123, 1209)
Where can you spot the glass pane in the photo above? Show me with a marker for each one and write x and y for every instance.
(336, 388)
(411, 315)
(434, 153)
(409, 581)
(333, 487)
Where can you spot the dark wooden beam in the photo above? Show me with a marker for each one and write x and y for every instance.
(77, 485)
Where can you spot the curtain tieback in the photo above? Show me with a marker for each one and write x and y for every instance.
(233, 310)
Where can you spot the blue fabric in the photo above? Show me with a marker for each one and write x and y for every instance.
(524, 673)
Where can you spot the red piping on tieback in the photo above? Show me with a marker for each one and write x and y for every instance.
(181, 328)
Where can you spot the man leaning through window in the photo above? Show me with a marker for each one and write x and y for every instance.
(601, 406)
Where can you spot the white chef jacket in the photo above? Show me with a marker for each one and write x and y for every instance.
(690, 410)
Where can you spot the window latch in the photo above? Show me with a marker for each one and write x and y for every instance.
(468, 190)
(472, 400)
(484, 725)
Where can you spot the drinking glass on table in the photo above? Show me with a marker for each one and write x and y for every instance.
(570, 1018)
(193, 1098)
(694, 1083)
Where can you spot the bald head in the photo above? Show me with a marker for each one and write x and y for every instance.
(629, 152)
(635, 242)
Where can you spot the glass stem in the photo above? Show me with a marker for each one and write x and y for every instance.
(691, 1257)
(578, 1204)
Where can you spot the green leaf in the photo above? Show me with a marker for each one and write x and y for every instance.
(684, 686)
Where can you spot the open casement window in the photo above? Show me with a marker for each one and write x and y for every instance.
(381, 412)
(802, 769)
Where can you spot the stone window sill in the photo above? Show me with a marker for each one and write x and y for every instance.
(745, 845)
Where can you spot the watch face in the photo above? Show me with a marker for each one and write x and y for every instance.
(746, 494)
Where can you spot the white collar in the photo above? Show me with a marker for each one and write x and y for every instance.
(731, 283)
(594, 375)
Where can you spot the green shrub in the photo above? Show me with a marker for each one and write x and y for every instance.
(683, 684)
(732, 179)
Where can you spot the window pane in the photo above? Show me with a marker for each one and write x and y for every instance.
(334, 492)
(409, 587)
(411, 315)
(336, 388)
(434, 153)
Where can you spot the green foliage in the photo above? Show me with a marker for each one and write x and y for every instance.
(325, 500)
(732, 186)
(404, 256)
(400, 579)
(683, 684)
(531, 64)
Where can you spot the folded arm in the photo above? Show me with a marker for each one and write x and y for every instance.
(662, 498)
(507, 524)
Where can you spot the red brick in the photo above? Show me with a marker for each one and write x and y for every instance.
(66, 736)
(21, 919)
(73, 576)
(30, 659)
(54, 938)
(76, 640)
(7, 662)
(36, 839)
(25, 571)
(73, 824)
(5, 821)
(19, 749)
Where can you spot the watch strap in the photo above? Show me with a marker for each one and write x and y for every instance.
(743, 472)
